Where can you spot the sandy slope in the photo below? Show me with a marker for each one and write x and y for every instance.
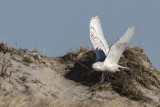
(28, 79)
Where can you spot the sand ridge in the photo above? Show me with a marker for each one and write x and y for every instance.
(30, 79)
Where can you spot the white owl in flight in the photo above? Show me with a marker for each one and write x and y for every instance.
(107, 57)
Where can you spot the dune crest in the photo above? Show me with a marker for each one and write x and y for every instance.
(30, 79)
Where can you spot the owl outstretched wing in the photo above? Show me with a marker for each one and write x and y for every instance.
(97, 38)
(118, 47)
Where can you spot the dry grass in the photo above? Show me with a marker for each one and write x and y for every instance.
(30, 101)
(5, 48)
(71, 56)
(124, 82)
(27, 59)
(28, 56)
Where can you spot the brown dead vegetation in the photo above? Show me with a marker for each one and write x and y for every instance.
(28, 56)
(27, 59)
(72, 57)
(124, 82)
(5, 48)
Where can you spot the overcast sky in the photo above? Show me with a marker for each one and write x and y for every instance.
(59, 25)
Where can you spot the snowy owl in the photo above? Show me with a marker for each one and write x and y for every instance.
(107, 57)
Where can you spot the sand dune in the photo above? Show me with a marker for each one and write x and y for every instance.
(30, 79)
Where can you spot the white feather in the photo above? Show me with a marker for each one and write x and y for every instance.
(97, 38)
(118, 47)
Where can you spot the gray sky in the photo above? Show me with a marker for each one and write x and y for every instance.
(59, 25)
